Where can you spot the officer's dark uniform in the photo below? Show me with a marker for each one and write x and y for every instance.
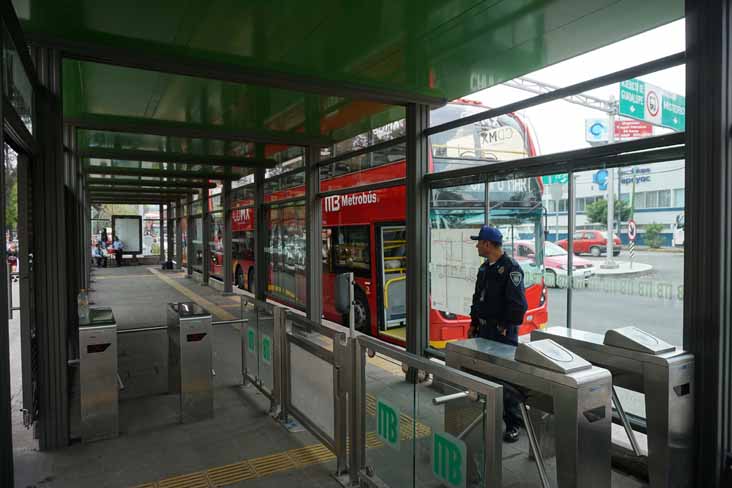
(499, 303)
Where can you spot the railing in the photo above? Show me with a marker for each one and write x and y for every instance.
(382, 429)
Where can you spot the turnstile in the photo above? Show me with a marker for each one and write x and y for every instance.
(643, 363)
(554, 380)
(190, 359)
(98, 376)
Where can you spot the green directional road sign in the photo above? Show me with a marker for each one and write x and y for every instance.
(560, 179)
(643, 101)
(449, 459)
(267, 349)
(387, 423)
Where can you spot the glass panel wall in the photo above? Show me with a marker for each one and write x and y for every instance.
(285, 253)
(476, 181)
(18, 88)
(216, 244)
(243, 233)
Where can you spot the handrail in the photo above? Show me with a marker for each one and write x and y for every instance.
(464, 380)
(386, 288)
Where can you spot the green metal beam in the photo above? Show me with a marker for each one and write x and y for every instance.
(158, 173)
(171, 157)
(142, 183)
(141, 125)
(139, 191)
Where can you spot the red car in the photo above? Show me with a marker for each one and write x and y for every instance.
(555, 263)
(592, 242)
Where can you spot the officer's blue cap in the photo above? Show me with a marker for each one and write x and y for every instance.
(489, 233)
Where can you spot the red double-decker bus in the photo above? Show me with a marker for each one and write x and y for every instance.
(365, 233)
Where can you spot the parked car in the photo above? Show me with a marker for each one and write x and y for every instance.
(592, 242)
(555, 263)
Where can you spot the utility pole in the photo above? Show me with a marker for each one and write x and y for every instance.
(609, 261)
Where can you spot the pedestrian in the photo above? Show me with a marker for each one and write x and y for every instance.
(118, 247)
(499, 305)
(103, 236)
(100, 255)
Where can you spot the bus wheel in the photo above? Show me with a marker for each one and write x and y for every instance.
(239, 278)
(250, 280)
(361, 311)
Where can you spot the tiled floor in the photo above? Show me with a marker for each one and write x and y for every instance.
(241, 445)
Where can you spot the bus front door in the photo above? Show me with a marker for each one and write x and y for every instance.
(393, 274)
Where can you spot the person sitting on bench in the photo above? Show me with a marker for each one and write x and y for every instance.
(100, 256)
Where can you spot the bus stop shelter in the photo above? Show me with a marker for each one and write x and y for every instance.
(160, 103)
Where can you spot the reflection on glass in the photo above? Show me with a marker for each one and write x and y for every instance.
(644, 287)
(457, 213)
(184, 239)
(216, 245)
(285, 252)
(196, 236)
(503, 138)
(18, 87)
(151, 235)
(242, 247)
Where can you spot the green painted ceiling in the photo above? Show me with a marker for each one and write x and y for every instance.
(440, 48)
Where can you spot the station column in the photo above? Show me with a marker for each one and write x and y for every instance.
(227, 272)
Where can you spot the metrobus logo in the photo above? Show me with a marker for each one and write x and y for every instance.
(449, 459)
(387, 423)
(336, 202)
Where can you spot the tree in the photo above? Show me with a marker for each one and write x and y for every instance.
(11, 209)
(653, 237)
(597, 211)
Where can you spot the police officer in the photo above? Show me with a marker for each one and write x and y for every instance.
(499, 305)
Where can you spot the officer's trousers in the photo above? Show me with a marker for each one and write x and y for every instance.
(511, 396)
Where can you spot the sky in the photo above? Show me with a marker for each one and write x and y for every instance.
(560, 126)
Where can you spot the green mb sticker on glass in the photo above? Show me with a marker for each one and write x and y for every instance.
(387, 423)
(449, 459)
(251, 340)
(267, 349)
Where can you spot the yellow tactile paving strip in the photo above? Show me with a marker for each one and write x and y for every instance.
(230, 474)
(123, 277)
(264, 466)
(208, 305)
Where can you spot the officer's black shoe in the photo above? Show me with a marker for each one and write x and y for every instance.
(512, 434)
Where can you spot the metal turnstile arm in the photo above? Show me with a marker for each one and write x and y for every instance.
(626, 424)
(534, 444)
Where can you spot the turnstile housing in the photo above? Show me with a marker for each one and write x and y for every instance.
(643, 363)
(554, 381)
(99, 392)
(190, 359)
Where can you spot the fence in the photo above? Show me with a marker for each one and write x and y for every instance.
(382, 429)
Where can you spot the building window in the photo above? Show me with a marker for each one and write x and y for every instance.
(664, 198)
(640, 200)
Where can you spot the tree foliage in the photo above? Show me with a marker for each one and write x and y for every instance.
(652, 236)
(597, 211)
(11, 207)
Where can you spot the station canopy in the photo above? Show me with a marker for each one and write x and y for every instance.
(215, 88)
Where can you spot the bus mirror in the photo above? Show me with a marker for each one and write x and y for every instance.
(342, 285)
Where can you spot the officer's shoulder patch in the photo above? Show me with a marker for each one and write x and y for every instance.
(516, 278)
